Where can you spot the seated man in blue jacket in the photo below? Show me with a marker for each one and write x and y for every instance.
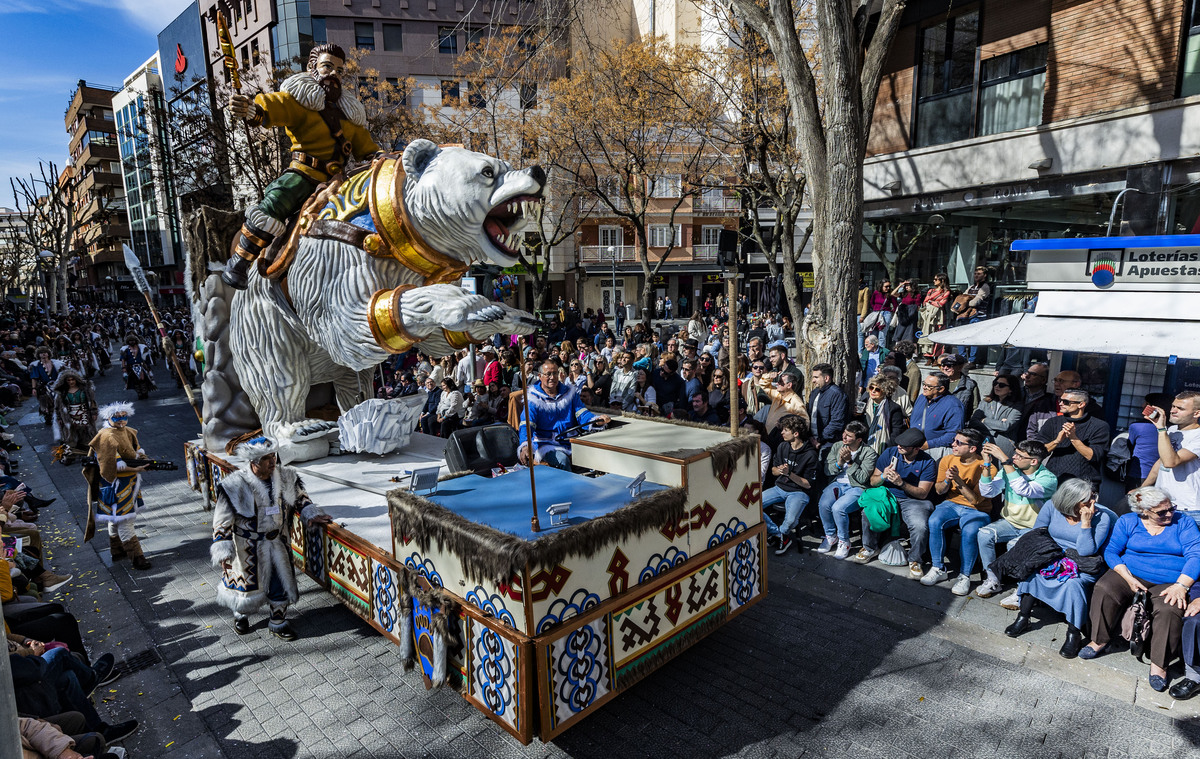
(554, 407)
(938, 414)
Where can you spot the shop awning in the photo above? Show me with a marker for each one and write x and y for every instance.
(1129, 337)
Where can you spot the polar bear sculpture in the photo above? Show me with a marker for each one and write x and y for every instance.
(375, 271)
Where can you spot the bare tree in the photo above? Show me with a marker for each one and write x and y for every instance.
(55, 221)
(507, 76)
(831, 112)
(770, 173)
(635, 121)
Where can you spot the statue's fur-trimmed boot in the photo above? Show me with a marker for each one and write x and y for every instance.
(134, 548)
(115, 548)
(251, 241)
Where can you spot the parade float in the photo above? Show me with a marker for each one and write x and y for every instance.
(540, 594)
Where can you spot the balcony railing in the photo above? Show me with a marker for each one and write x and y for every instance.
(598, 254)
(717, 205)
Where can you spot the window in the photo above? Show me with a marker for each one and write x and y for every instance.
(318, 30)
(447, 40)
(661, 234)
(1010, 90)
(946, 80)
(666, 186)
(245, 56)
(527, 42)
(475, 95)
(610, 187)
(477, 36)
(449, 92)
(393, 37)
(528, 94)
(710, 235)
(254, 51)
(612, 237)
(364, 35)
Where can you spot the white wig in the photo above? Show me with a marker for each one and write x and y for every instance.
(121, 407)
(256, 449)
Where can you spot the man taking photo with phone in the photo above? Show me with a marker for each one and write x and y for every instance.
(1177, 472)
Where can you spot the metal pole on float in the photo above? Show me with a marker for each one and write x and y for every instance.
(534, 524)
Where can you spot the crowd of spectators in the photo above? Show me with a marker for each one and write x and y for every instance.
(53, 358)
(949, 481)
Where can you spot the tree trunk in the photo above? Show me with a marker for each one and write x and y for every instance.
(829, 332)
(62, 285)
(648, 283)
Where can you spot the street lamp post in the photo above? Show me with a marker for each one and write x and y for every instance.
(612, 252)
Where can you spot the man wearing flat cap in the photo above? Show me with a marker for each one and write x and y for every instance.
(908, 473)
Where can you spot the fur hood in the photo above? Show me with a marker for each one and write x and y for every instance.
(60, 384)
(309, 94)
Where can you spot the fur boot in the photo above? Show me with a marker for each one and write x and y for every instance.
(134, 548)
(115, 548)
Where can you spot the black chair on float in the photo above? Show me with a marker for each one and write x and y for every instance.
(478, 449)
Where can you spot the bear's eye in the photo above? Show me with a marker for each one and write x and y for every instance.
(488, 172)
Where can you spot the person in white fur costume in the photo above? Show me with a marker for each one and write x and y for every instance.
(250, 536)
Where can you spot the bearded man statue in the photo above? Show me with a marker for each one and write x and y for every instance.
(327, 128)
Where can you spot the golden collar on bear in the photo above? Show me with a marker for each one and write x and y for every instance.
(380, 192)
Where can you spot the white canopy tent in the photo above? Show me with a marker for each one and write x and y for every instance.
(1131, 324)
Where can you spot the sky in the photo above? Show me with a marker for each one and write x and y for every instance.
(49, 45)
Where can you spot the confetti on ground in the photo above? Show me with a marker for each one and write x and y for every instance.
(169, 745)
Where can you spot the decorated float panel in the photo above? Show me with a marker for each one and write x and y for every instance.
(538, 630)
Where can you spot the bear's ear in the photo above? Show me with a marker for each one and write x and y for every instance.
(417, 156)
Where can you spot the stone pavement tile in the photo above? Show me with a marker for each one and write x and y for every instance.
(1098, 679)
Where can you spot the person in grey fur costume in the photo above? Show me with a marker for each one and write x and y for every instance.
(250, 537)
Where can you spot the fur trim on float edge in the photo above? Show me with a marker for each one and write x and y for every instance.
(489, 554)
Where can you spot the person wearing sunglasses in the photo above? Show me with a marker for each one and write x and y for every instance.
(554, 407)
(120, 482)
(1080, 526)
(1077, 441)
(1000, 412)
(1151, 549)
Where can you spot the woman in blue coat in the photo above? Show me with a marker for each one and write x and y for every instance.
(1079, 524)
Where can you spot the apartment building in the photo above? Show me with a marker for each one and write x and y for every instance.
(95, 171)
(608, 245)
(1006, 119)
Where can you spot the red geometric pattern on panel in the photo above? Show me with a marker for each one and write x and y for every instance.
(512, 588)
(751, 494)
(699, 595)
(637, 635)
(674, 593)
(545, 582)
(724, 477)
(700, 516)
(618, 579)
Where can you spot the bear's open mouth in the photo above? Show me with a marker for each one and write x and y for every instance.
(504, 225)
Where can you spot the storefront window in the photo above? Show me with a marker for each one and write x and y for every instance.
(1143, 375)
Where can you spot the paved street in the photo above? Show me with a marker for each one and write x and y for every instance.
(839, 660)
